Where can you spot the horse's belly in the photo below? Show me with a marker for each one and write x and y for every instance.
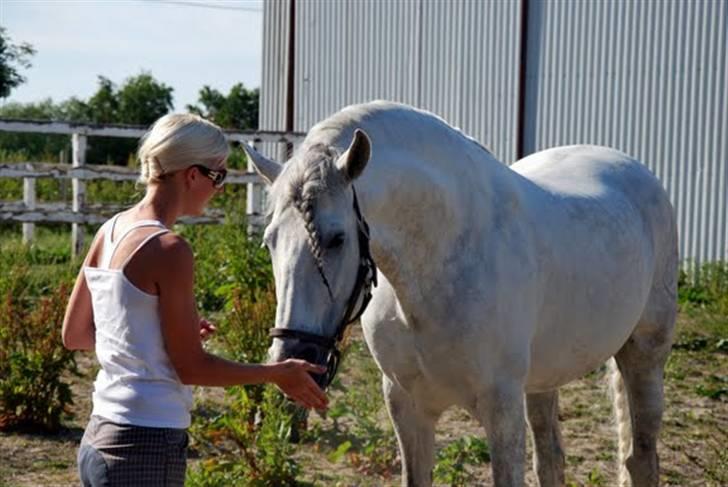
(550, 370)
(581, 336)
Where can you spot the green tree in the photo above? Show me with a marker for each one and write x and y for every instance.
(237, 110)
(103, 106)
(142, 100)
(12, 58)
(75, 110)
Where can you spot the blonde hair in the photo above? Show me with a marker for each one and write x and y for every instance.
(178, 141)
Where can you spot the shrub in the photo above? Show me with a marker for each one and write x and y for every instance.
(33, 362)
(228, 263)
(34, 288)
(247, 442)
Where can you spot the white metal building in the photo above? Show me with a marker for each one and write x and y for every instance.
(647, 77)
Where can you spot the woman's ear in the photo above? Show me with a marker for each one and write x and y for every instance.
(190, 176)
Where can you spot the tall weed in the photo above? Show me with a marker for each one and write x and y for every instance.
(705, 287)
(247, 443)
(357, 428)
(242, 450)
(32, 271)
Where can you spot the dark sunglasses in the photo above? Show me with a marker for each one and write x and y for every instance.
(217, 175)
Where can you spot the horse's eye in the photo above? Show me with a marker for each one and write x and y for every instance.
(336, 241)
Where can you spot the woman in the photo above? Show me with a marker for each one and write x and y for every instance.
(133, 303)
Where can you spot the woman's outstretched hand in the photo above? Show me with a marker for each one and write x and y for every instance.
(292, 377)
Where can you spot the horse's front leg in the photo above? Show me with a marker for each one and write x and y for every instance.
(415, 431)
(500, 409)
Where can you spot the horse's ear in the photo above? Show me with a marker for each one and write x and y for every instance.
(354, 160)
(267, 168)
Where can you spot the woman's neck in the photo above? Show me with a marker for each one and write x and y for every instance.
(160, 203)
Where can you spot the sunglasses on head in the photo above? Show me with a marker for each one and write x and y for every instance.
(216, 175)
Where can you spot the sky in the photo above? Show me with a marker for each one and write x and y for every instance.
(185, 44)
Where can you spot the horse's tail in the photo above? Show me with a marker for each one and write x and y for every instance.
(621, 413)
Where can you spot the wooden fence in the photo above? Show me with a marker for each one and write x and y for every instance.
(29, 211)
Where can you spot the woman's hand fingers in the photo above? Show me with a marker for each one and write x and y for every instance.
(316, 369)
(318, 394)
(294, 380)
(206, 329)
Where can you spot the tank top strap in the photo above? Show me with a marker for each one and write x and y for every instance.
(108, 245)
(113, 244)
(143, 243)
(134, 226)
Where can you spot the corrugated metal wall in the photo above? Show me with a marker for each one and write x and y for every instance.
(457, 59)
(469, 69)
(350, 52)
(276, 20)
(649, 78)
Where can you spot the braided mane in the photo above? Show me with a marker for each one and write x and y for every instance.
(307, 178)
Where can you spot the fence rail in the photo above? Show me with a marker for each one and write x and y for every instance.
(87, 172)
(29, 211)
(132, 131)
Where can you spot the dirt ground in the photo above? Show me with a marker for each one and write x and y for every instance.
(692, 445)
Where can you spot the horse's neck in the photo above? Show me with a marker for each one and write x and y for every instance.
(427, 215)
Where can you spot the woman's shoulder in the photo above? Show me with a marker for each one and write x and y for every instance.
(173, 258)
(174, 245)
(165, 259)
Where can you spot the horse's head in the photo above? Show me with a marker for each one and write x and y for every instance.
(319, 247)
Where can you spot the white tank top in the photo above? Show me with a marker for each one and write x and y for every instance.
(136, 384)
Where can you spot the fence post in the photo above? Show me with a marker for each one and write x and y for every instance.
(254, 194)
(29, 202)
(78, 143)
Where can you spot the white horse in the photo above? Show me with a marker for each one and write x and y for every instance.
(495, 282)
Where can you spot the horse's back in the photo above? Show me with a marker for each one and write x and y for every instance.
(589, 171)
(605, 180)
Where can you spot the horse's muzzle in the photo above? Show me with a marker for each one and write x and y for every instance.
(310, 352)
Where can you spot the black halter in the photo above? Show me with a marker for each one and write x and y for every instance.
(366, 278)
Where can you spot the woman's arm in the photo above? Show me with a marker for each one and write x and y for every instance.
(181, 331)
(78, 331)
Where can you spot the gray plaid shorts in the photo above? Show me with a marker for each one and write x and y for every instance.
(116, 455)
